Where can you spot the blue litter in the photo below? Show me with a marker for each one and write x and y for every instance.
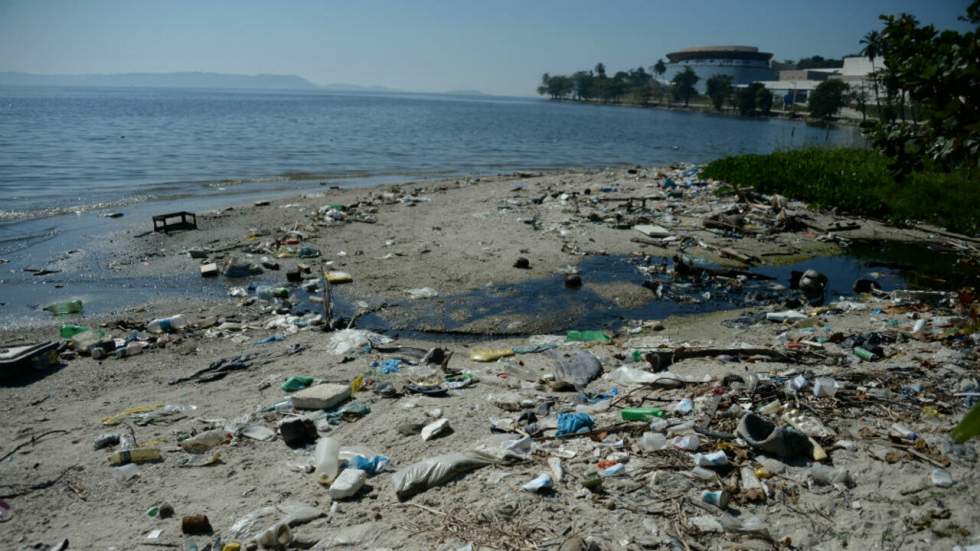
(371, 466)
(390, 366)
(595, 399)
(271, 339)
(571, 423)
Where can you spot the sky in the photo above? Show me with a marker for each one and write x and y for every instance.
(498, 47)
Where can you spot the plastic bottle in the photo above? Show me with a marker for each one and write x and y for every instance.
(172, 324)
(652, 441)
(325, 457)
(64, 308)
(68, 330)
(131, 349)
(641, 414)
(204, 441)
(138, 455)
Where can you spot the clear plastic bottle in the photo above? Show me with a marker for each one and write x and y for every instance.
(326, 458)
(172, 324)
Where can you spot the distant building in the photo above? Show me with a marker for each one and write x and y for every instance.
(804, 74)
(745, 64)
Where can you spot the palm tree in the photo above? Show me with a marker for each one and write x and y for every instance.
(659, 68)
(872, 49)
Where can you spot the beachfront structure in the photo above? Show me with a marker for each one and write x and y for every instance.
(745, 64)
(796, 86)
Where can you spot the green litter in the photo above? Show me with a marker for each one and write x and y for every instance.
(68, 330)
(642, 414)
(297, 382)
(968, 427)
(586, 336)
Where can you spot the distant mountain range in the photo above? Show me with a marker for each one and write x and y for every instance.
(193, 80)
(163, 80)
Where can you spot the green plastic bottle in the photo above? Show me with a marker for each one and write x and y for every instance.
(64, 308)
(69, 330)
(586, 336)
(642, 414)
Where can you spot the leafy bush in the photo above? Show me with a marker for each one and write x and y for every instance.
(858, 181)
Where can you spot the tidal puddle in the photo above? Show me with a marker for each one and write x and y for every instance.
(614, 292)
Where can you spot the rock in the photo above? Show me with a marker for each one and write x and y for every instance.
(269, 264)
(434, 429)
(347, 484)
(325, 396)
(409, 428)
(294, 275)
(196, 525)
(941, 478)
(165, 510)
(298, 432)
(866, 286)
(522, 263)
(573, 281)
(652, 230)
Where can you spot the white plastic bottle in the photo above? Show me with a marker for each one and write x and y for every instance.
(326, 459)
(172, 324)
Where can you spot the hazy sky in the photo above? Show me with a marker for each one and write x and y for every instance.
(496, 46)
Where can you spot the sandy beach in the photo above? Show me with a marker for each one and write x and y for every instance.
(885, 426)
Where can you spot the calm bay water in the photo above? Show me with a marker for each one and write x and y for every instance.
(64, 149)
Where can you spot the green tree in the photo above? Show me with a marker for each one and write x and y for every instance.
(684, 83)
(763, 99)
(939, 73)
(659, 68)
(819, 62)
(828, 98)
(719, 90)
(583, 85)
(872, 49)
(748, 98)
(859, 97)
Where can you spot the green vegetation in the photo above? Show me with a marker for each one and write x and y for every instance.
(684, 82)
(753, 99)
(859, 181)
(819, 62)
(719, 90)
(931, 82)
(636, 84)
(827, 99)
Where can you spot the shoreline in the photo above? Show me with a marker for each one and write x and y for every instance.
(463, 237)
(727, 112)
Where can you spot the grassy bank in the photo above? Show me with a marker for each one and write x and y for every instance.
(858, 181)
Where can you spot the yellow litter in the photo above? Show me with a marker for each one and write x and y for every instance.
(338, 277)
(490, 354)
(117, 418)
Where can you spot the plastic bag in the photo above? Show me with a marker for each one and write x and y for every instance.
(429, 473)
(575, 366)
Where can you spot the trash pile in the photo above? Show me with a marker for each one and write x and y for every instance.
(615, 420)
(776, 431)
